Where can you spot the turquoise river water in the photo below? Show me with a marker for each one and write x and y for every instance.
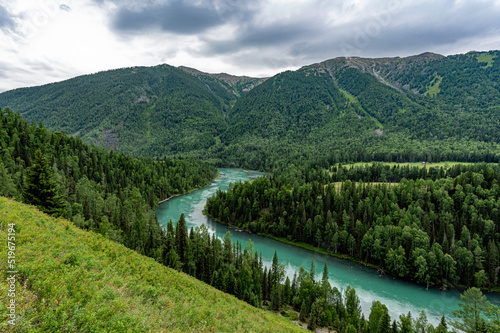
(398, 296)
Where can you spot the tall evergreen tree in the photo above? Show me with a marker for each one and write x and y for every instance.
(312, 273)
(384, 325)
(181, 238)
(40, 188)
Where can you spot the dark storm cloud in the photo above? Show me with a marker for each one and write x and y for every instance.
(273, 35)
(6, 21)
(181, 17)
(408, 30)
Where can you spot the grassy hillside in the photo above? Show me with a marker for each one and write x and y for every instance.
(71, 280)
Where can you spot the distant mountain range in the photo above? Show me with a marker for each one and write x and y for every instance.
(426, 107)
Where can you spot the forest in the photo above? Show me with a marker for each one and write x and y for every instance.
(429, 225)
(339, 110)
(239, 271)
(106, 192)
(114, 195)
(119, 142)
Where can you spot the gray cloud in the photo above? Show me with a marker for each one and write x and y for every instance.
(31, 73)
(250, 37)
(405, 31)
(179, 16)
(6, 21)
(368, 32)
(275, 35)
(319, 31)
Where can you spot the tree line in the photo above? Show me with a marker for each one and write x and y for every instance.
(239, 271)
(113, 194)
(442, 232)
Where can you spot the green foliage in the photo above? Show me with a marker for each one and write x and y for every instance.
(40, 188)
(436, 227)
(335, 111)
(476, 313)
(72, 280)
(148, 111)
(433, 87)
(110, 193)
(486, 58)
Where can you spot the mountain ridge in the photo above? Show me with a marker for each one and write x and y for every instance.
(418, 106)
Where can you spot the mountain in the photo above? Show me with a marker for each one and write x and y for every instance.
(72, 280)
(424, 107)
(152, 111)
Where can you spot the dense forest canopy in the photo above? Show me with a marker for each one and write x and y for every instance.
(430, 225)
(106, 192)
(421, 108)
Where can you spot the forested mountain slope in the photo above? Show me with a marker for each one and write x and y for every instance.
(425, 107)
(71, 280)
(113, 194)
(150, 111)
(363, 109)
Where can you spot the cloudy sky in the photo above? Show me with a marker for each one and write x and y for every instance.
(43, 41)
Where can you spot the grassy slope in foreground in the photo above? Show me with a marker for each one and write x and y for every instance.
(72, 280)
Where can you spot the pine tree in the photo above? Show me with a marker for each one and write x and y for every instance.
(313, 271)
(384, 325)
(442, 327)
(40, 188)
(395, 327)
(313, 317)
(473, 308)
(303, 311)
(181, 238)
(325, 272)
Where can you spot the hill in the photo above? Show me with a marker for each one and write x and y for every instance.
(148, 111)
(425, 107)
(102, 191)
(72, 280)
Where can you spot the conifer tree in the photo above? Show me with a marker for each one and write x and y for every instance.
(181, 238)
(384, 325)
(40, 188)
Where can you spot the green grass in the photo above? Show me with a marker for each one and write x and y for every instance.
(486, 58)
(71, 280)
(350, 97)
(338, 185)
(444, 165)
(433, 87)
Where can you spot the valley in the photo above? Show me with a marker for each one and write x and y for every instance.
(391, 162)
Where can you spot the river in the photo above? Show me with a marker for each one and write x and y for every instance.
(398, 296)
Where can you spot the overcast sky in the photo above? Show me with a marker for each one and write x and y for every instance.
(43, 41)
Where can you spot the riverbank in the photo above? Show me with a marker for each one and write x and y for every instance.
(302, 245)
(191, 190)
(398, 295)
(349, 258)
